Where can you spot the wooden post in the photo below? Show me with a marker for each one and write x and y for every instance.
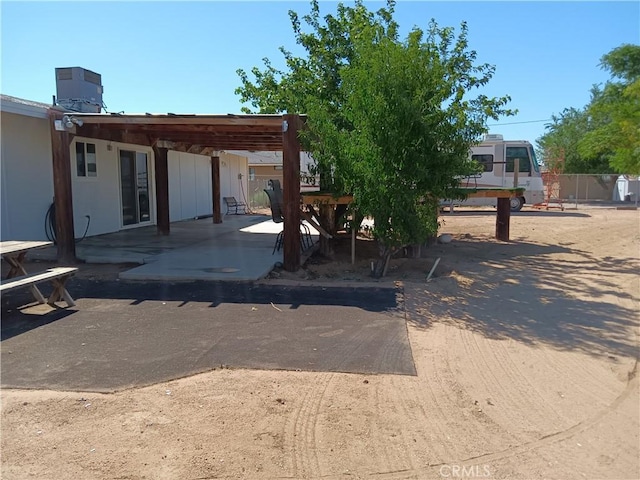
(503, 217)
(215, 188)
(291, 191)
(62, 191)
(162, 189)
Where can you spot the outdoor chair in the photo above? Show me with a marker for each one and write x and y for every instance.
(274, 184)
(236, 206)
(275, 202)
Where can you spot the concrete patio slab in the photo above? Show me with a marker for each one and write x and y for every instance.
(239, 249)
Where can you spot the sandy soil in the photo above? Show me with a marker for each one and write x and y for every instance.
(526, 354)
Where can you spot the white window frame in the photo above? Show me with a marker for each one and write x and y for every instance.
(87, 157)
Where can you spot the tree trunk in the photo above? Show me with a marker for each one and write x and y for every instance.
(328, 222)
(382, 264)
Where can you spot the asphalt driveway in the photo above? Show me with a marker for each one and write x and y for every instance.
(121, 335)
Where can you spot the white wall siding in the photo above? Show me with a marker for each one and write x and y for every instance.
(204, 202)
(189, 186)
(96, 197)
(27, 176)
(99, 197)
(175, 204)
(230, 185)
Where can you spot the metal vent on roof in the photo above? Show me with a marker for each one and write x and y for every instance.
(64, 74)
(92, 77)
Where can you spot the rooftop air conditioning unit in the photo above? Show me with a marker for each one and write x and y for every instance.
(493, 137)
(79, 90)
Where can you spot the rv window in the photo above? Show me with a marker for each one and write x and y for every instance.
(536, 167)
(522, 154)
(485, 160)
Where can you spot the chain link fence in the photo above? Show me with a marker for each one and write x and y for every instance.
(256, 197)
(571, 188)
(578, 188)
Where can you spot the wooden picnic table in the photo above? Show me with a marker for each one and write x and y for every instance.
(14, 253)
(310, 201)
(503, 209)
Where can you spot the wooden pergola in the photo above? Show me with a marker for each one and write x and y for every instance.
(199, 134)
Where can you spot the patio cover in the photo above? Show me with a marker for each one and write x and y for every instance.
(201, 134)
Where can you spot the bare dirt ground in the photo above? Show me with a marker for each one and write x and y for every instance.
(526, 356)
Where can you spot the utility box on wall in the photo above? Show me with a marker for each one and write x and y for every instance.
(79, 89)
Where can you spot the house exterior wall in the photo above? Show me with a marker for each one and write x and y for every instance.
(268, 171)
(27, 176)
(99, 197)
(26, 181)
(190, 188)
(190, 191)
(232, 165)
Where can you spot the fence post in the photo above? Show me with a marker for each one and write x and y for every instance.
(586, 195)
(577, 178)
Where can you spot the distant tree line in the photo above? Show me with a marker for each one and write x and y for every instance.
(603, 136)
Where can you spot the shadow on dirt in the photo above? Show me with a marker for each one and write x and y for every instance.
(524, 292)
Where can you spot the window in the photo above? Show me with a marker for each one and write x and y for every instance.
(86, 160)
(522, 154)
(252, 173)
(536, 167)
(485, 160)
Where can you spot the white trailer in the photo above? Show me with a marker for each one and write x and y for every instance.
(497, 157)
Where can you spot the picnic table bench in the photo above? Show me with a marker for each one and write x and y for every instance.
(14, 252)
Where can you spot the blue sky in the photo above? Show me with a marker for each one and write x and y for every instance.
(182, 57)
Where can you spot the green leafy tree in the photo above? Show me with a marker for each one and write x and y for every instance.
(390, 121)
(559, 146)
(604, 136)
(615, 113)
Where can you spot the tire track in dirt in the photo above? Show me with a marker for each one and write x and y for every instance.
(433, 469)
(496, 369)
(388, 406)
(302, 434)
(525, 395)
(632, 386)
(438, 409)
(433, 411)
(300, 430)
(378, 406)
(576, 378)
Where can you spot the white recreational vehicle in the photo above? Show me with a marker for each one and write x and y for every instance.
(497, 158)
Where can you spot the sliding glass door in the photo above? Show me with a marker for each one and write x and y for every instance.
(134, 187)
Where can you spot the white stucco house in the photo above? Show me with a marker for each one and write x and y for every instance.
(112, 182)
